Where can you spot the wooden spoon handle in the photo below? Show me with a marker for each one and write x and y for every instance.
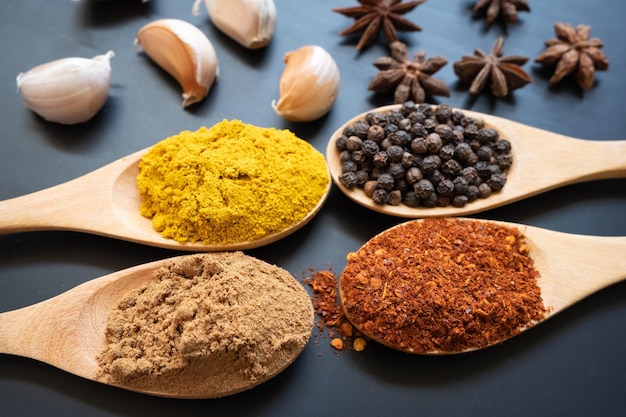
(575, 266)
(48, 331)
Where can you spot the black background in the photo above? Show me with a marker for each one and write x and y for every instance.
(573, 365)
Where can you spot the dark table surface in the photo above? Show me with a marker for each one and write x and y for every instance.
(573, 365)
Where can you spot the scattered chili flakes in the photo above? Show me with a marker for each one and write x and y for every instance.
(330, 317)
(448, 285)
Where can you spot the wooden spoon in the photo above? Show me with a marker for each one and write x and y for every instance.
(572, 267)
(542, 161)
(106, 202)
(68, 332)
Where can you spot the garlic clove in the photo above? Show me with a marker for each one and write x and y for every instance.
(308, 86)
(250, 23)
(68, 90)
(184, 52)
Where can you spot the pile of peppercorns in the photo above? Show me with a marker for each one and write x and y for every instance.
(423, 157)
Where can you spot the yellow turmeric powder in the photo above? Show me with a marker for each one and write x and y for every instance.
(231, 183)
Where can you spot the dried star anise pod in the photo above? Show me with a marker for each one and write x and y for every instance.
(410, 80)
(573, 52)
(506, 10)
(376, 15)
(504, 73)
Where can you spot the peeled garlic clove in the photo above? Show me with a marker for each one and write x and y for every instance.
(68, 90)
(184, 52)
(250, 23)
(308, 86)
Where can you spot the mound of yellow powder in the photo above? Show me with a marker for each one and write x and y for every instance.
(231, 183)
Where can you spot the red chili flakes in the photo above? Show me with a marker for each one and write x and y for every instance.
(443, 285)
(330, 316)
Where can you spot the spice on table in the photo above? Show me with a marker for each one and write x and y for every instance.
(444, 285)
(408, 79)
(573, 52)
(225, 320)
(426, 157)
(374, 16)
(231, 183)
(504, 10)
(503, 74)
(329, 313)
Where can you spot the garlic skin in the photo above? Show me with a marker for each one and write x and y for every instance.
(184, 52)
(308, 86)
(250, 23)
(68, 90)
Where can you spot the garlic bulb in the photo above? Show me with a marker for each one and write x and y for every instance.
(68, 90)
(184, 52)
(308, 86)
(251, 23)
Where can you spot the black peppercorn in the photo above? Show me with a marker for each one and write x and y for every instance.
(380, 196)
(375, 133)
(413, 175)
(459, 200)
(386, 181)
(396, 170)
(360, 129)
(381, 159)
(443, 113)
(462, 151)
(433, 143)
(395, 153)
(484, 190)
(348, 166)
(407, 160)
(451, 167)
(358, 156)
(349, 179)
(395, 198)
(411, 200)
(484, 153)
(430, 163)
(445, 187)
(446, 152)
(496, 182)
(423, 188)
(361, 177)
(369, 187)
(419, 146)
(353, 143)
(446, 133)
(472, 192)
(487, 135)
(340, 143)
(369, 147)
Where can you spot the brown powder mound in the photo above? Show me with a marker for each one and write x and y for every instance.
(220, 322)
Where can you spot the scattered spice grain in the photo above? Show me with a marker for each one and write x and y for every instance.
(442, 285)
(231, 183)
(226, 321)
(330, 317)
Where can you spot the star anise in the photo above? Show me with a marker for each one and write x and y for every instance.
(506, 10)
(410, 80)
(572, 52)
(374, 16)
(504, 73)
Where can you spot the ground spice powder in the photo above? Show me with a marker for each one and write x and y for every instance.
(231, 183)
(225, 321)
(444, 285)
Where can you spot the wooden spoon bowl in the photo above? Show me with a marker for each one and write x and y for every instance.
(542, 161)
(106, 202)
(571, 268)
(68, 332)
